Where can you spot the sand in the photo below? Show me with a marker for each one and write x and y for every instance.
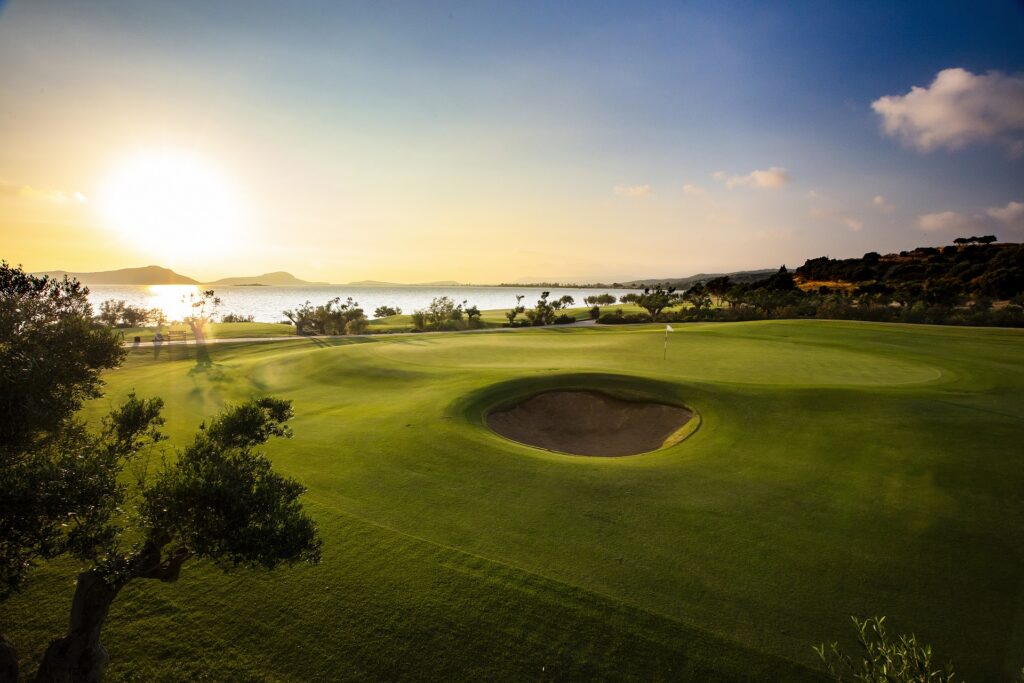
(589, 423)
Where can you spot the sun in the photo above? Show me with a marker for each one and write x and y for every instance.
(171, 203)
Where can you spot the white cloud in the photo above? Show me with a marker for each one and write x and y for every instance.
(1011, 213)
(14, 190)
(772, 178)
(959, 108)
(882, 204)
(634, 191)
(946, 221)
(693, 189)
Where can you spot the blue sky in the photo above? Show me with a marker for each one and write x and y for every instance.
(417, 140)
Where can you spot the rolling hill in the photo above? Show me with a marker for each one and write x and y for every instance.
(148, 275)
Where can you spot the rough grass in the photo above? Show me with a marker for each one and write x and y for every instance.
(840, 468)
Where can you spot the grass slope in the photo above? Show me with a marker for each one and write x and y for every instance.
(840, 468)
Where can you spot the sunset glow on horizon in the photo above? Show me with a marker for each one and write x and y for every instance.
(487, 143)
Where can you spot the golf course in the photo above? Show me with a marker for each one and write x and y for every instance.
(828, 469)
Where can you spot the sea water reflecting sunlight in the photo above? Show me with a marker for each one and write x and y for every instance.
(266, 304)
(173, 300)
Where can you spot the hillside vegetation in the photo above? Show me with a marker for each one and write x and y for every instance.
(991, 270)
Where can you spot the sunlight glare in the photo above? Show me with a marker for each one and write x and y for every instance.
(171, 203)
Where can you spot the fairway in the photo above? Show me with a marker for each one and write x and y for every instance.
(839, 468)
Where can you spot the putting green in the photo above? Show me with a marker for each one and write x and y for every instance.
(839, 468)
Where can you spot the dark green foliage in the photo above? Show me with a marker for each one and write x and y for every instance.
(719, 285)
(976, 266)
(222, 500)
(64, 495)
(237, 318)
(332, 318)
(600, 300)
(654, 301)
(516, 310)
(386, 311)
(51, 357)
(883, 659)
(545, 312)
(118, 313)
(444, 314)
(617, 317)
(781, 281)
(699, 297)
(219, 500)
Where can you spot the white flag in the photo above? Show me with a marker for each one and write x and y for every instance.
(668, 328)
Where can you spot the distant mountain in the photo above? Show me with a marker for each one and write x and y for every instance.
(741, 277)
(277, 278)
(149, 275)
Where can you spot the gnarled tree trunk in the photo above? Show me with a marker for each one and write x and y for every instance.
(78, 656)
(8, 661)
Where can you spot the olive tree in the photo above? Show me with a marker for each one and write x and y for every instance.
(883, 659)
(51, 356)
(654, 301)
(66, 488)
(220, 500)
(202, 310)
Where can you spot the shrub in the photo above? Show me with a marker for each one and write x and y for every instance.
(357, 325)
(119, 313)
(236, 318)
(619, 318)
(386, 311)
(331, 318)
(883, 660)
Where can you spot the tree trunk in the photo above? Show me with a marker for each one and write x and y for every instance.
(78, 656)
(8, 661)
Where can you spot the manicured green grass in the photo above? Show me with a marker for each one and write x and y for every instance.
(840, 468)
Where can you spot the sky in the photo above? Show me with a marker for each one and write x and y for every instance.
(486, 142)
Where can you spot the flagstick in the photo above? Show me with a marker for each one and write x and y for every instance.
(664, 355)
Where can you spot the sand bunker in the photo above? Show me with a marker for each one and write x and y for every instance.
(589, 423)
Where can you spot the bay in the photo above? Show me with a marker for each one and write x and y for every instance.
(266, 304)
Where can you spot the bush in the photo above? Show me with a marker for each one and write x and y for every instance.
(883, 660)
(237, 318)
(617, 317)
(331, 318)
(444, 314)
(357, 325)
(386, 311)
(119, 313)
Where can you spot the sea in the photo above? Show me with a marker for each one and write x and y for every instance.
(266, 304)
